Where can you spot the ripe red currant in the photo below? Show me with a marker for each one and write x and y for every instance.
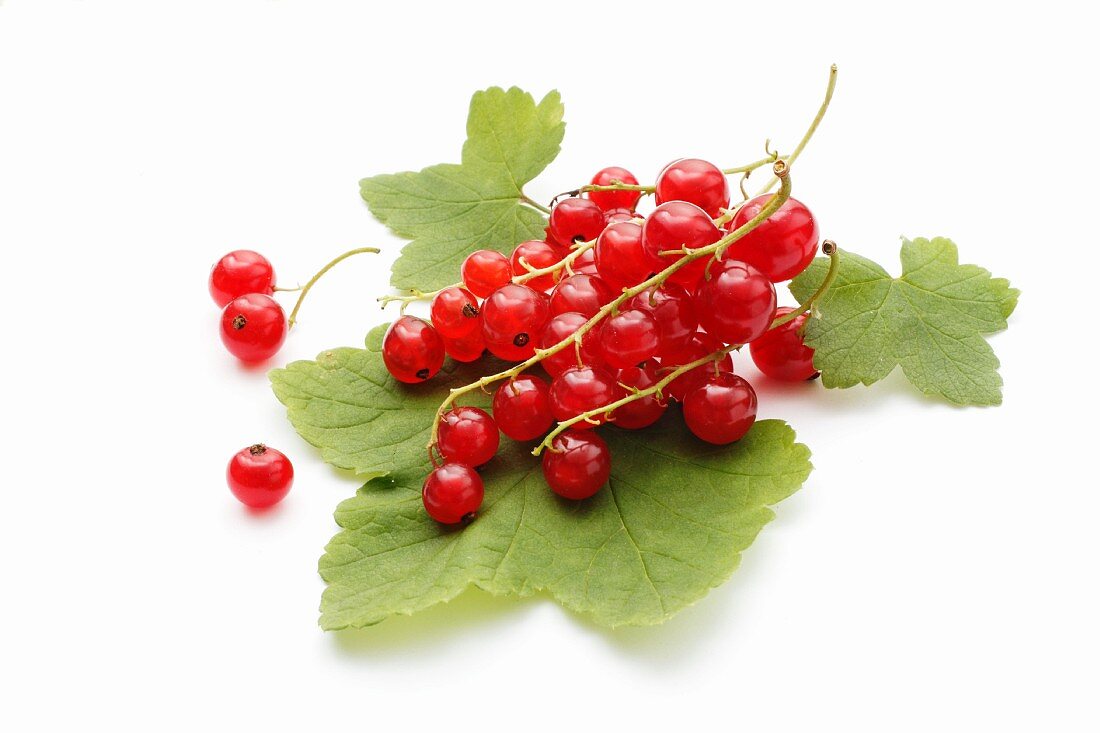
(511, 319)
(646, 411)
(695, 181)
(783, 245)
(620, 257)
(781, 354)
(672, 306)
(521, 407)
(239, 273)
(259, 476)
(455, 313)
(537, 255)
(559, 328)
(466, 349)
(616, 215)
(412, 350)
(608, 200)
(737, 303)
(629, 338)
(577, 464)
(576, 220)
(484, 271)
(581, 389)
(584, 294)
(673, 226)
(585, 264)
(468, 435)
(453, 493)
(699, 346)
(253, 327)
(721, 409)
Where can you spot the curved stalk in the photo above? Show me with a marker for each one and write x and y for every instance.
(313, 280)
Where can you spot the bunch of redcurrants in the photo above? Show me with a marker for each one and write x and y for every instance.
(596, 250)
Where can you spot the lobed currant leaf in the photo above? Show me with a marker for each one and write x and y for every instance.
(930, 321)
(450, 210)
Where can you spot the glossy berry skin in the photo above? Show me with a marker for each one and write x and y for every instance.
(466, 349)
(695, 181)
(783, 245)
(468, 435)
(700, 345)
(453, 493)
(629, 338)
(620, 258)
(521, 408)
(538, 255)
(580, 389)
(737, 303)
(576, 220)
(674, 310)
(259, 476)
(672, 226)
(239, 273)
(646, 411)
(781, 354)
(511, 320)
(559, 328)
(721, 409)
(577, 465)
(412, 350)
(455, 313)
(585, 264)
(484, 271)
(616, 215)
(608, 200)
(253, 327)
(584, 294)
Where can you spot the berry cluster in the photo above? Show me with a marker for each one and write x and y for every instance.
(624, 312)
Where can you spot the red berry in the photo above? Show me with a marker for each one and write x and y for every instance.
(468, 435)
(412, 350)
(581, 389)
(453, 493)
(645, 411)
(239, 273)
(559, 328)
(673, 226)
(577, 464)
(259, 476)
(585, 264)
(253, 327)
(576, 220)
(466, 349)
(699, 346)
(537, 255)
(629, 338)
(608, 200)
(721, 410)
(484, 271)
(616, 215)
(511, 319)
(620, 257)
(672, 306)
(584, 294)
(455, 313)
(781, 354)
(737, 303)
(521, 407)
(695, 181)
(783, 245)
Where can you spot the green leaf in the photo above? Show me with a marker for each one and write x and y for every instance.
(931, 321)
(451, 210)
(671, 524)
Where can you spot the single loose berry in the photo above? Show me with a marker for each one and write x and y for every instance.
(453, 493)
(576, 220)
(466, 349)
(630, 338)
(584, 294)
(721, 409)
(783, 245)
(468, 435)
(561, 327)
(674, 310)
(484, 271)
(412, 350)
(700, 345)
(620, 258)
(695, 181)
(736, 304)
(455, 313)
(608, 200)
(582, 389)
(674, 226)
(536, 255)
(781, 353)
(512, 317)
(643, 412)
(259, 476)
(253, 327)
(577, 464)
(521, 408)
(239, 273)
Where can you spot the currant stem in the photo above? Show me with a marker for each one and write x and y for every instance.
(566, 263)
(413, 296)
(322, 271)
(829, 248)
(616, 187)
(750, 167)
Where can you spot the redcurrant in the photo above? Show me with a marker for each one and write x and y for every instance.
(783, 245)
(629, 338)
(699, 346)
(577, 464)
(584, 294)
(608, 200)
(259, 476)
(781, 354)
(484, 271)
(620, 257)
(695, 181)
(576, 220)
(581, 389)
(412, 350)
(511, 319)
(585, 264)
(737, 303)
(559, 328)
(672, 306)
(468, 435)
(253, 327)
(455, 313)
(721, 409)
(521, 407)
(616, 215)
(673, 226)
(643, 412)
(466, 349)
(239, 273)
(536, 255)
(453, 493)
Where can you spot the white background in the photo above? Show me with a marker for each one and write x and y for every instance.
(938, 570)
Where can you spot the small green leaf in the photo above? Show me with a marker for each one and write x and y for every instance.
(450, 210)
(931, 321)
